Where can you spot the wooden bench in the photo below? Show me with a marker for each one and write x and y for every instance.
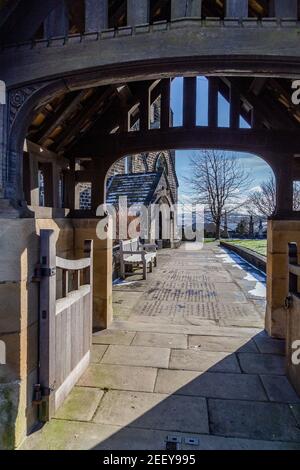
(133, 253)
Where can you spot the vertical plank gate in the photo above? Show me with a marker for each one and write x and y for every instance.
(65, 324)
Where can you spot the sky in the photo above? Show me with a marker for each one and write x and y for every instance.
(258, 169)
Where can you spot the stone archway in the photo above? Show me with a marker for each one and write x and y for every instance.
(20, 108)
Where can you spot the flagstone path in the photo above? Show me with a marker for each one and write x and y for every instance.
(186, 360)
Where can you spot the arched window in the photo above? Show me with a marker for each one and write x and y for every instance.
(161, 164)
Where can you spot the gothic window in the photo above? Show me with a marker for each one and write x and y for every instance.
(161, 164)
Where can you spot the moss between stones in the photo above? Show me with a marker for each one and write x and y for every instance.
(7, 435)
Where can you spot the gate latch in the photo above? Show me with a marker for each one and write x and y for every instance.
(288, 302)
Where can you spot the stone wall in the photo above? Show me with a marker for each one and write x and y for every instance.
(280, 234)
(147, 163)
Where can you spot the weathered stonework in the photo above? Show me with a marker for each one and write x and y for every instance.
(280, 234)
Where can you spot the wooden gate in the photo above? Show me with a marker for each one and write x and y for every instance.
(65, 324)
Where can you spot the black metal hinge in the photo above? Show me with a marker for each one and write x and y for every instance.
(41, 271)
(37, 394)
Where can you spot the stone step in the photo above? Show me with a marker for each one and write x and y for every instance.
(185, 329)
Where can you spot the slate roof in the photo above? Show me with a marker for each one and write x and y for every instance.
(138, 187)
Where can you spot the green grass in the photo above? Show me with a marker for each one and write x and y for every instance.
(209, 240)
(260, 246)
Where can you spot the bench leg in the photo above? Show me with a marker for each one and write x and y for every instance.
(151, 266)
(155, 261)
(122, 270)
(145, 270)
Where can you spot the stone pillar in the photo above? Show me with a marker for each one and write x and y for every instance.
(96, 15)
(280, 234)
(57, 23)
(188, 8)
(237, 8)
(138, 12)
(284, 8)
(85, 229)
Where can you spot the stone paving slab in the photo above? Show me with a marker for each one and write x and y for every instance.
(137, 356)
(279, 389)
(68, 435)
(210, 385)
(154, 411)
(181, 312)
(113, 337)
(203, 361)
(267, 364)
(295, 409)
(155, 327)
(97, 352)
(162, 340)
(176, 319)
(123, 306)
(269, 345)
(229, 292)
(254, 420)
(106, 376)
(221, 344)
(81, 404)
(247, 322)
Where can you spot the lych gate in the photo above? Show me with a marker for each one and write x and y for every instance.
(80, 96)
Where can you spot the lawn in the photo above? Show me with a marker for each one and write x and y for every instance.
(260, 246)
(209, 240)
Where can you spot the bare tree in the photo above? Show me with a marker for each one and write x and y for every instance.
(263, 201)
(218, 179)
